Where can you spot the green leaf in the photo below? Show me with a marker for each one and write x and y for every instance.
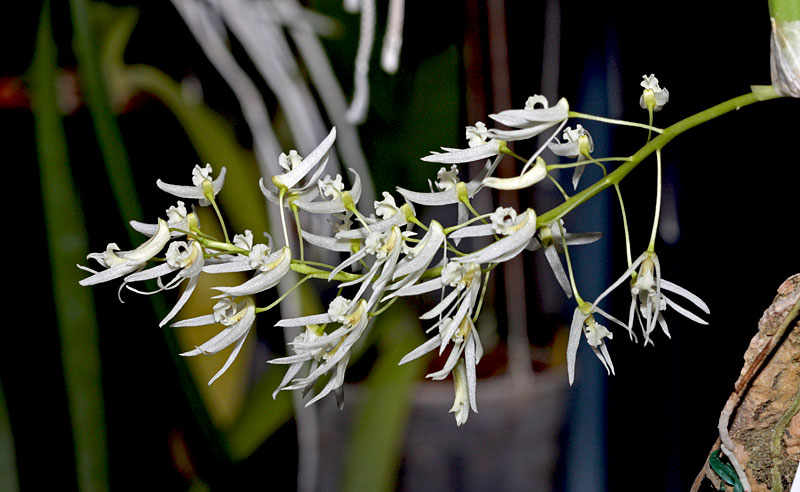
(8, 461)
(725, 471)
(67, 245)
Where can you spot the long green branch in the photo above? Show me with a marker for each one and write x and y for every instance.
(657, 143)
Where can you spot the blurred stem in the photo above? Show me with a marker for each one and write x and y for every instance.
(95, 95)
(67, 243)
(8, 462)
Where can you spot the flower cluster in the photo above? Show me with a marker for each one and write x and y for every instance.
(383, 257)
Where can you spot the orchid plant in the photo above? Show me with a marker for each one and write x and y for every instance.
(385, 258)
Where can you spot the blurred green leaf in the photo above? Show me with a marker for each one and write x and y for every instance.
(67, 244)
(261, 416)
(8, 461)
(214, 140)
(95, 95)
(375, 447)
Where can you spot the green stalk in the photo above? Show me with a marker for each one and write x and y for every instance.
(95, 95)
(67, 245)
(8, 461)
(657, 143)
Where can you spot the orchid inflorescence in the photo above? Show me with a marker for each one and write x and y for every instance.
(385, 258)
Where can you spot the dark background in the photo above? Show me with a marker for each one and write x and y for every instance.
(734, 181)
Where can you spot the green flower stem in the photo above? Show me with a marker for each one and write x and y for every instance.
(581, 163)
(505, 150)
(624, 225)
(219, 217)
(650, 127)
(312, 272)
(283, 296)
(485, 285)
(578, 298)
(230, 248)
(560, 188)
(383, 308)
(283, 216)
(659, 142)
(454, 228)
(652, 245)
(299, 229)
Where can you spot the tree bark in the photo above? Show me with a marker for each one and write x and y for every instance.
(761, 417)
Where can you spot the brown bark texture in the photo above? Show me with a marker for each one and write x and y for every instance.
(761, 415)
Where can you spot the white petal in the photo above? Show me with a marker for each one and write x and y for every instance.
(575, 332)
(263, 280)
(229, 361)
(677, 289)
(489, 149)
(294, 176)
(685, 312)
(429, 346)
(558, 269)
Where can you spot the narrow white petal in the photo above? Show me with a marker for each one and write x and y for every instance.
(472, 382)
(315, 319)
(291, 178)
(329, 243)
(151, 273)
(685, 312)
(625, 276)
(229, 361)
(434, 199)
(263, 280)
(414, 290)
(234, 264)
(473, 231)
(206, 319)
(187, 292)
(110, 274)
(558, 269)
(429, 346)
(443, 304)
(489, 149)
(575, 332)
(677, 289)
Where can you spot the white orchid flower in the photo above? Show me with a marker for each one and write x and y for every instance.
(465, 341)
(577, 142)
(509, 246)
(203, 186)
(237, 318)
(417, 259)
(185, 258)
(652, 95)
(270, 270)
(298, 168)
(120, 263)
(178, 219)
(583, 321)
(647, 292)
(478, 148)
(534, 119)
(324, 352)
(339, 198)
(386, 247)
